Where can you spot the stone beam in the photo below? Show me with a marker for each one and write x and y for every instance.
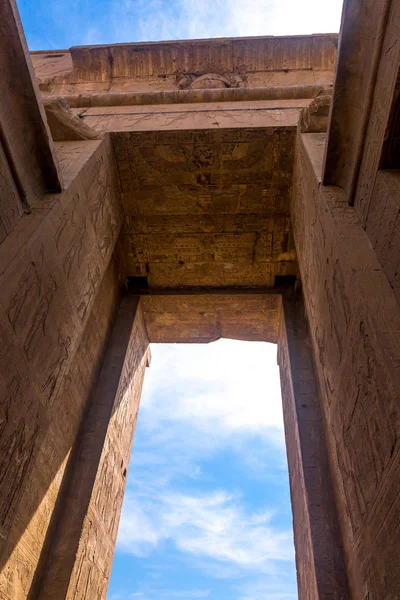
(64, 125)
(24, 135)
(206, 317)
(232, 115)
(284, 92)
(359, 52)
(320, 562)
(77, 561)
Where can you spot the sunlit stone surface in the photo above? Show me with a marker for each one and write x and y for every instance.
(186, 191)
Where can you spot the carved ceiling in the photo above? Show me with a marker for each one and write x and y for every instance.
(207, 207)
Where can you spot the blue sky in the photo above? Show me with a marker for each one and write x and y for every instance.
(51, 24)
(207, 511)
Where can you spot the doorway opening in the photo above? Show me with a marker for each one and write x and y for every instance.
(207, 511)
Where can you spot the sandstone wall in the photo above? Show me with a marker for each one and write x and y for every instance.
(10, 204)
(354, 320)
(383, 224)
(58, 290)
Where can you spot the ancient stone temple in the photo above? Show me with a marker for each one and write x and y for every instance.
(182, 192)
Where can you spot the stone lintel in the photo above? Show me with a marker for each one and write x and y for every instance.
(207, 317)
(258, 114)
(284, 92)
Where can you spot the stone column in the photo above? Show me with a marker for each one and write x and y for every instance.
(24, 133)
(77, 561)
(354, 319)
(320, 563)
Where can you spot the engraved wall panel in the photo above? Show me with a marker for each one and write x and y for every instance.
(10, 201)
(383, 225)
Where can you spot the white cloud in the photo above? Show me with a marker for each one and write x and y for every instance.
(199, 401)
(229, 386)
(266, 588)
(213, 526)
(161, 594)
(186, 594)
(183, 19)
(91, 37)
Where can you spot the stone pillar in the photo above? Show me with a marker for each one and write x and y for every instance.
(354, 319)
(77, 561)
(320, 564)
(25, 138)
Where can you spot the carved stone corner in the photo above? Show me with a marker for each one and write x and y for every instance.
(64, 125)
(314, 117)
